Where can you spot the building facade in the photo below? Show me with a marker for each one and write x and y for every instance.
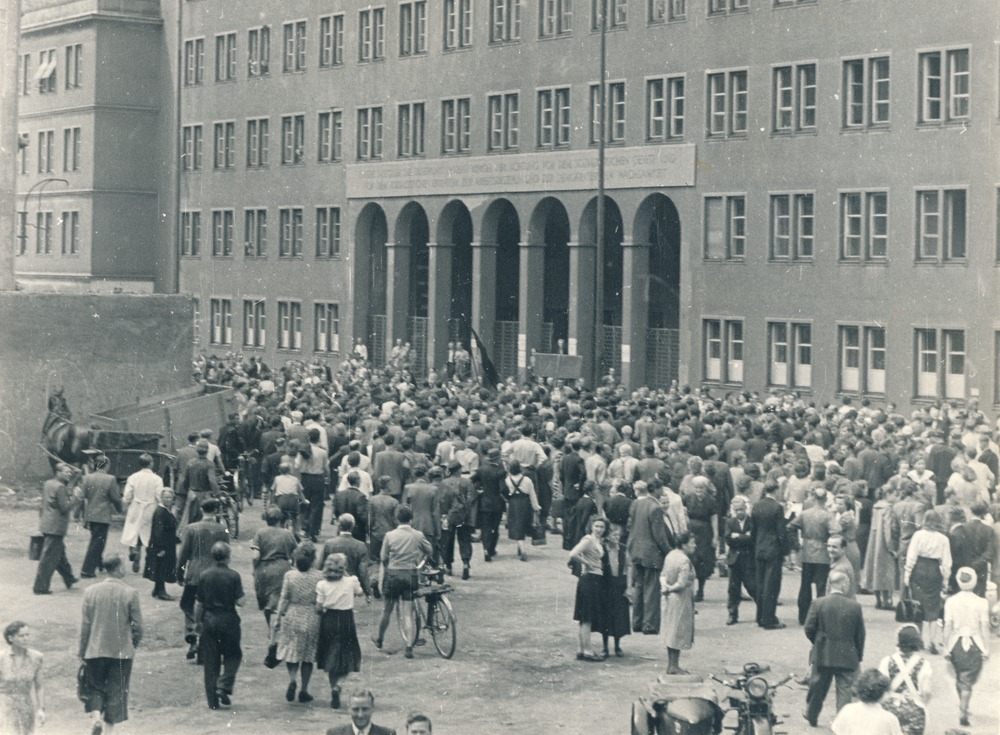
(801, 194)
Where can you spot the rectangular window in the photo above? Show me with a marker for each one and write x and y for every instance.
(410, 129)
(555, 18)
(874, 360)
(862, 361)
(331, 41)
(222, 321)
(194, 62)
(222, 233)
(792, 234)
(71, 149)
(255, 233)
(327, 326)
(371, 34)
(727, 104)
(259, 52)
(615, 117)
(456, 121)
(48, 60)
(225, 57)
(369, 133)
(70, 233)
(850, 359)
(664, 109)
(794, 98)
(289, 325)
(503, 121)
(328, 232)
(940, 363)
(43, 233)
(553, 118)
(723, 350)
(617, 14)
(224, 150)
(941, 225)
(864, 225)
(412, 27)
(866, 92)
(725, 227)
(290, 237)
(257, 142)
(191, 234)
(46, 151)
(331, 129)
(725, 7)
(944, 86)
(457, 24)
(24, 85)
(664, 11)
(22, 233)
(22, 155)
(294, 44)
(505, 21)
(74, 64)
(254, 322)
(293, 133)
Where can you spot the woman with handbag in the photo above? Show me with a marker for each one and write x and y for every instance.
(296, 629)
(967, 637)
(928, 566)
(522, 507)
(591, 554)
(910, 680)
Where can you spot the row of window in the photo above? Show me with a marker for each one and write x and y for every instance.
(255, 232)
(938, 357)
(46, 151)
(865, 105)
(940, 226)
(45, 225)
(46, 75)
(326, 324)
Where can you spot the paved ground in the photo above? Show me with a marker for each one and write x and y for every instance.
(514, 671)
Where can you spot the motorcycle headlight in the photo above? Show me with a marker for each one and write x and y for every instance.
(757, 688)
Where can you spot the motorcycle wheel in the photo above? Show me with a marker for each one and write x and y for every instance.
(760, 726)
(642, 723)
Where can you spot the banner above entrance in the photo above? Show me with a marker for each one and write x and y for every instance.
(649, 167)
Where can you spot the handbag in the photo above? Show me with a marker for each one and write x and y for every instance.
(537, 532)
(271, 660)
(909, 610)
(35, 544)
(83, 691)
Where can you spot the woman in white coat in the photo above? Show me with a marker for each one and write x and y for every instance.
(142, 494)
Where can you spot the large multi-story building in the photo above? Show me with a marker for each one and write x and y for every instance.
(801, 194)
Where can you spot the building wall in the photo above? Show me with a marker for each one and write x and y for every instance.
(106, 351)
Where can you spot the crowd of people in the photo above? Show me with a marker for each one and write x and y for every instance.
(653, 492)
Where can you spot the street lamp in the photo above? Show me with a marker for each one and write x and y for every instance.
(599, 214)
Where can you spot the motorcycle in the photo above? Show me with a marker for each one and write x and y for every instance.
(752, 699)
(678, 705)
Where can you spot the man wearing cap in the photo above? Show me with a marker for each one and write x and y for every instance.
(197, 483)
(102, 497)
(489, 483)
(57, 503)
(142, 494)
(220, 592)
(458, 517)
(214, 453)
(425, 508)
(195, 557)
(185, 455)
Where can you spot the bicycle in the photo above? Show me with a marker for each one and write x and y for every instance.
(228, 513)
(244, 492)
(431, 610)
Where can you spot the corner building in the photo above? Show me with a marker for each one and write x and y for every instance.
(800, 195)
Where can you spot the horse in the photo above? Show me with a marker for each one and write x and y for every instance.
(65, 440)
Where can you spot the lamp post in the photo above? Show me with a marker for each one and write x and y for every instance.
(599, 213)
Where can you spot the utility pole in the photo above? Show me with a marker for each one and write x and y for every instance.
(599, 245)
(10, 32)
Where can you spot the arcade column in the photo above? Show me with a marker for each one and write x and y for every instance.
(484, 295)
(582, 256)
(531, 299)
(438, 303)
(635, 312)
(397, 298)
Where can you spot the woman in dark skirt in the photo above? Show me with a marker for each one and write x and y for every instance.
(521, 507)
(161, 557)
(271, 551)
(700, 502)
(967, 637)
(589, 606)
(616, 604)
(928, 567)
(339, 652)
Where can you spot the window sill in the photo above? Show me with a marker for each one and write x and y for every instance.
(293, 165)
(858, 262)
(804, 133)
(665, 141)
(456, 49)
(740, 260)
(258, 76)
(414, 55)
(566, 147)
(292, 350)
(725, 138)
(502, 151)
(554, 36)
(330, 67)
(729, 13)
(326, 352)
(503, 43)
(859, 129)
(708, 383)
(289, 257)
(190, 257)
(225, 81)
(941, 263)
(800, 390)
(223, 257)
(328, 257)
(791, 261)
(379, 60)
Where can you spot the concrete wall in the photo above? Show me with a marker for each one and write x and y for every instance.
(105, 350)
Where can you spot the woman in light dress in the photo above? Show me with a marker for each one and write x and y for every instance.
(677, 584)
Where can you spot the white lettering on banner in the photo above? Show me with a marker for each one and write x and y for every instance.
(625, 168)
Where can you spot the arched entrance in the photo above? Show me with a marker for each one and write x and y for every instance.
(455, 229)
(502, 229)
(611, 319)
(370, 234)
(550, 224)
(658, 224)
(412, 232)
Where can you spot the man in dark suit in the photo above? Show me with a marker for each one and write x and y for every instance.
(836, 628)
(989, 458)
(362, 704)
(195, 557)
(392, 463)
(489, 483)
(356, 551)
(572, 473)
(456, 499)
(939, 458)
(973, 544)
(422, 497)
(817, 524)
(352, 500)
(53, 521)
(102, 497)
(738, 539)
(769, 549)
(648, 544)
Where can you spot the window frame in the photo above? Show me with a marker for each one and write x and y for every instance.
(190, 233)
(259, 52)
(293, 46)
(411, 129)
(505, 22)
(371, 34)
(503, 116)
(947, 98)
(798, 341)
(330, 129)
(220, 320)
(258, 142)
(735, 230)
(194, 61)
(223, 232)
(555, 18)
(671, 121)
(255, 232)
(289, 326)
(946, 223)
(728, 336)
(412, 29)
(254, 322)
(291, 227)
(328, 233)
(794, 101)
(326, 325)
(456, 126)
(331, 40)
(225, 57)
(370, 131)
(947, 383)
(860, 85)
(728, 104)
(801, 226)
(457, 31)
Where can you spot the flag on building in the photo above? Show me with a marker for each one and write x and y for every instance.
(484, 368)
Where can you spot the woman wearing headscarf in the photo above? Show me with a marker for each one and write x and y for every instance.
(967, 637)
(910, 680)
(928, 567)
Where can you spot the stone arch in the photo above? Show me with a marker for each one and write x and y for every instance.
(549, 225)
(454, 228)
(370, 235)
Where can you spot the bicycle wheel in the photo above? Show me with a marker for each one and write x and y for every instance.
(408, 618)
(234, 514)
(441, 621)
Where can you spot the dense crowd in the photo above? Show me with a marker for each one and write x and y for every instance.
(652, 493)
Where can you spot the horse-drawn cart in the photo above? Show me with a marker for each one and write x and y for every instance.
(123, 449)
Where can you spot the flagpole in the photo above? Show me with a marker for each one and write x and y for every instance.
(599, 249)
